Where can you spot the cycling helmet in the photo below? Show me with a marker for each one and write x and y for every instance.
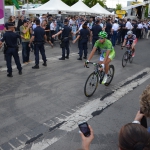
(129, 33)
(102, 34)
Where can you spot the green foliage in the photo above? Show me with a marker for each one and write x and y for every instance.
(70, 2)
(146, 11)
(118, 6)
(91, 3)
(8, 2)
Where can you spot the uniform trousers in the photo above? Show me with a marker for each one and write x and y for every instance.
(39, 48)
(83, 47)
(65, 48)
(9, 53)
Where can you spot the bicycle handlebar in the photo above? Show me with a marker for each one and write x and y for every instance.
(93, 64)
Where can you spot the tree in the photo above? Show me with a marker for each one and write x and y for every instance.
(8, 2)
(91, 3)
(70, 2)
(118, 6)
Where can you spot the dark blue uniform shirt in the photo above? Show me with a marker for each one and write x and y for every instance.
(39, 33)
(66, 31)
(10, 38)
(84, 35)
(95, 30)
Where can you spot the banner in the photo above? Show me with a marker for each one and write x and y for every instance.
(1, 14)
(15, 2)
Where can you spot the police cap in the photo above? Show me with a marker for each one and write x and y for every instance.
(10, 25)
(66, 20)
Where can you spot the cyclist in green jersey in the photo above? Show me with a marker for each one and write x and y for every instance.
(107, 53)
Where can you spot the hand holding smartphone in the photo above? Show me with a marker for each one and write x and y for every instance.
(84, 128)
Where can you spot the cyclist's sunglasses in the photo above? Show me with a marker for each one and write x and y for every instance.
(100, 38)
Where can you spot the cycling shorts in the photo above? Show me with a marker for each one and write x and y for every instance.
(111, 56)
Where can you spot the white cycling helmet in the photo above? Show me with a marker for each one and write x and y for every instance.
(129, 33)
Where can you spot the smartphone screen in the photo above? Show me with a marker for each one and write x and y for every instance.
(84, 128)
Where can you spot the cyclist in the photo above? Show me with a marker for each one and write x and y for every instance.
(130, 40)
(107, 53)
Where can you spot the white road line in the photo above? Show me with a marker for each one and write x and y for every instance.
(48, 59)
(92, 106)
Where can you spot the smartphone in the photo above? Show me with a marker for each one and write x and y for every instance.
(84, 128)
(143, 120)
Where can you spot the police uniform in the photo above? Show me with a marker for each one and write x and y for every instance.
(83, 40)
(95, 30)
(10, 39)
(65, 41)
(39, 40)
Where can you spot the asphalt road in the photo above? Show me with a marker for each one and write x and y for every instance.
(40, 109)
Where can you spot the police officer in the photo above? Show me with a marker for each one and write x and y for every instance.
(83, 41)
(94, 32)
(10, 39)
(65, 39)
(39, 38)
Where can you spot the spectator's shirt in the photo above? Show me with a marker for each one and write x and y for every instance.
(25, 36)
(107, 45)
(140, 26)
(148, 25)
(108, 27)
(101, 25)
(129, 25)
(90, 25)
(53, 26)
(59, 18)
(115, 27)
(72, 22)
(95, 31)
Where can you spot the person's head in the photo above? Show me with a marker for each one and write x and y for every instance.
(25, 23)
(44, 22)
(11, 27)
(37, 22)
(66, 21)
(128, 19)
(59, 12)
(102, 36)
(84, 26)
(91, 19)
(129, 33)
(145, 102)
(133, 136)
(97, 22)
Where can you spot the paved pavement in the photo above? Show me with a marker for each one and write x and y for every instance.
(41, 109)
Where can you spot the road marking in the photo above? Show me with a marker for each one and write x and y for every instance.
(89, 109)
(32, 62)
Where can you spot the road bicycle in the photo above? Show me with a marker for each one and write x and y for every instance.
(127, 56)
(96, 77)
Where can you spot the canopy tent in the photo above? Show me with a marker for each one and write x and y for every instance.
(81, 7)
(99, 9)
(52, 6)
(134, 6)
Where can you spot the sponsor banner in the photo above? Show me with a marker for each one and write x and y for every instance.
(1, 14)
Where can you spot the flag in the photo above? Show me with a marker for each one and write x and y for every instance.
(15, 2)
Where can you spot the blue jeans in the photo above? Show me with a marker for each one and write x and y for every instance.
(39, 48)
(114, 38)
(25, 51)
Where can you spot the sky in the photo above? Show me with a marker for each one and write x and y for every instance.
(112, 3)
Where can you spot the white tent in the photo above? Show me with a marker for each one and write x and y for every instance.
(52, 6)
(133, 6)
(81, 7)
(100, 10)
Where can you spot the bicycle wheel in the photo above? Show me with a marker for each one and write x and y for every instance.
(91, 84)
(130, 57)
(124, 59)
(110, 74)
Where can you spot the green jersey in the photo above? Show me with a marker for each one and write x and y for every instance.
(107, 45)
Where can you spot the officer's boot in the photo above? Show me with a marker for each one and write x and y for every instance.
(35, 67)
(80, 58)
(20, 72)
(44, 64)
(9, 75)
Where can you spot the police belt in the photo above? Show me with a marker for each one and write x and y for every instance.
(64, 38)
(40, 42)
